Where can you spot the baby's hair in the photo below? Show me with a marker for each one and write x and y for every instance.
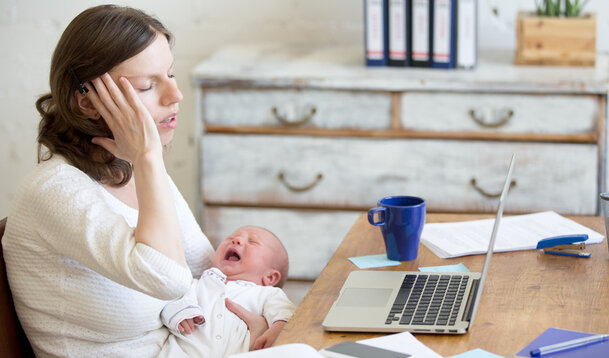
(280, 262)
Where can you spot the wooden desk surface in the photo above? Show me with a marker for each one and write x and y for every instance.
(525, 293)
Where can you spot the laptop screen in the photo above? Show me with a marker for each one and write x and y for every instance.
(491, 244)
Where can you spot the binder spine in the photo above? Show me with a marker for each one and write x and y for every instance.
(444, 33)
(421, 32)
(399, 32)
(467, 34)
(376, 38)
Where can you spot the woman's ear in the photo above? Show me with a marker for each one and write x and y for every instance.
(86, 106)
(271, 278)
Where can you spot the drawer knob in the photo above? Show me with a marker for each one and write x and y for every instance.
(499, 118)
(486, 193)
(295, 122)
(281, 177)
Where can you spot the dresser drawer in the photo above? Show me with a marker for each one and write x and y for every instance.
(310, 237)
(505, 113)
(353, 173)
(296, 108)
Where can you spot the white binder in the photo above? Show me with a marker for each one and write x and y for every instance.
(467, 34)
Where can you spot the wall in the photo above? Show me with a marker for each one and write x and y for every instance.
(30, 29)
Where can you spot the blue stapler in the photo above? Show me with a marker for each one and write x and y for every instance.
(569, 245)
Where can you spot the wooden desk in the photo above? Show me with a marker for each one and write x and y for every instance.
(525, 293)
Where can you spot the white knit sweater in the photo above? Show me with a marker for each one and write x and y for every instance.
(81, 284)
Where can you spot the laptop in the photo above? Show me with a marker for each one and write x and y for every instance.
(418, 302)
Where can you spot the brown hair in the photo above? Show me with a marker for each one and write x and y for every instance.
(97, 40)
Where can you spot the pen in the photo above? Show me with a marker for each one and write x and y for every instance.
(563, 346)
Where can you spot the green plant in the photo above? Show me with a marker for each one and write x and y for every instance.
(554, 8)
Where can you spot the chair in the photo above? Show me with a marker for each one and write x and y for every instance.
(14, 343)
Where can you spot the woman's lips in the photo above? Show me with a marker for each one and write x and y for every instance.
(169, 123)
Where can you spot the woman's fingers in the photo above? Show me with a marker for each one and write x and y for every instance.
(255, 323)
(238, 310)
(261, 343)
(131, 124)
(134, 102)
(93, 96)
(118, 104)
(130, 93)
(104, 101)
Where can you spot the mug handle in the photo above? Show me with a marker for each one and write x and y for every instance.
(373, 211)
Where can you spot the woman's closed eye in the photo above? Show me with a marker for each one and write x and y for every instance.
(144, 85)
(149, 86)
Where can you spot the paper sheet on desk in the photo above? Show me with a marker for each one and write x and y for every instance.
(403, 342)
(521, 232)
(399, 342)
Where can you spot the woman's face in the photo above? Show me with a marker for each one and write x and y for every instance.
(151, 74)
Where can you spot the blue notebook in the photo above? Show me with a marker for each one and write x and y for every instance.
(555, 335)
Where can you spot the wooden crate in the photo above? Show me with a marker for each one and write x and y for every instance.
(558, 41)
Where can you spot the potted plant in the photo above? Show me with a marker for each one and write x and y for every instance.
(558, 33)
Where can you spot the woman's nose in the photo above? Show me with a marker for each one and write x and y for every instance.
(172, 93)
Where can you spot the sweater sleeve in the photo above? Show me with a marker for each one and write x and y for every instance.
(277, 306)
(197, 248)
(75, 220)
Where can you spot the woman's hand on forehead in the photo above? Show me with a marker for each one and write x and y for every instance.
(132, 126)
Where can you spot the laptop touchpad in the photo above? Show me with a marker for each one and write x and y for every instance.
(365, 297)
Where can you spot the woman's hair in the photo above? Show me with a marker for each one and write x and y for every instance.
(97, 40)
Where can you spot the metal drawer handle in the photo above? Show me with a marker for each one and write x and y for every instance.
(281, 177)
(486, 193)
(498, 119)
(294, 123)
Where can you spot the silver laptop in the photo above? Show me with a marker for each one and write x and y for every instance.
(421, 302)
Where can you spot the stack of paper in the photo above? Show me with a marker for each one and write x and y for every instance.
(400, 342)
(520, 232)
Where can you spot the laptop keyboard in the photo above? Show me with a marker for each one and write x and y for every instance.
(428, 300)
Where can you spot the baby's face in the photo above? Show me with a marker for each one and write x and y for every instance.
(247, 254)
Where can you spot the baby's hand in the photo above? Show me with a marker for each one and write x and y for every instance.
(188, 326)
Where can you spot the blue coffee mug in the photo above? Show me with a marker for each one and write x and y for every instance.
(401, 219)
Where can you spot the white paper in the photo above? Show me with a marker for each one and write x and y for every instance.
(293, 350)
(404, 343)
(520, 232)
(399, 342)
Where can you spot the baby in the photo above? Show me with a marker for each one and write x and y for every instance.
(246, 267)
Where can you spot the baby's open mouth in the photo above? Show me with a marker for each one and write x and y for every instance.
(232, 255)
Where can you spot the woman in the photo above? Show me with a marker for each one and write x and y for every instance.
(99, 237)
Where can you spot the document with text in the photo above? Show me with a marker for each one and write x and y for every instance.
(520, 232)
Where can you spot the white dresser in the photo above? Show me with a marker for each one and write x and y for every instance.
(302, 141)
